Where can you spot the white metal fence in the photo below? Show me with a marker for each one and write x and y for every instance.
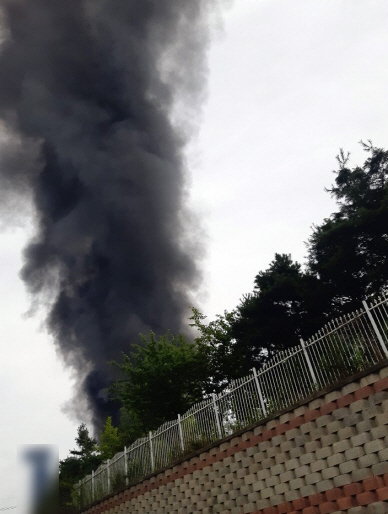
(341, 348)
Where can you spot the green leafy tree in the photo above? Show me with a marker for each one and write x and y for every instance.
(80, 463)
(349, 251)
(163, 377)
(110, 442)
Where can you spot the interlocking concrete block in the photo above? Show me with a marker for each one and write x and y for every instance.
(378, 398)
(374, 446)
(276, 499)
(245, 490)
(382, 419)
(239, 456)
(299, 411)
(273, 451)
(372, 412)
(330, 472)
(324, 452)
(329, 439)
(278, 439)
(323, 421)
(354, 453)
(277, 469)
(318, 433)
(281, 458)
(247, 461)
(360, 439)
(380, 469)
(254, 468)
(336, 459)
(342, 446)
(318, 465)
(313, 478)
(287, 476)
(291, 434)
(313, 446)
(241, 473)
(267, 493)
(264, 445)
(268, 463)
(259, 485)
(325, 485)
(250, 452)
(379, 432)
(263, 474)
(308, 427)
(341, 413)
(294, 453)
(359, 406)
(249, 479)
(348, 466)
(308, 490)
(368, 460)
(383, 455)
(272, 481)
(282, 488)
(259, 457)
(297, 483)
(350, 388)
(342, 480)
(378, 508)
(287, 446)
(347, 432)
(292, 464)
(254, 497)
(315, 404)
(302, 471)
(383, 372)
(245, 436)
(262, 504)
(241, 500)
(287, 416)
(307, 458)
(332, 396)
(335, 426)
(365, 426)
(369, 379)
(361, 474)
(357, 510)
(353, 419)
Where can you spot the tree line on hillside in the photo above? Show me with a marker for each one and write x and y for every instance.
(164, 375)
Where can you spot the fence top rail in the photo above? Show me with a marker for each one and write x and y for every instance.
(321, 334)
(275, 360)
(159, 431)
(234, 387)
(378, 301)
(200, 406)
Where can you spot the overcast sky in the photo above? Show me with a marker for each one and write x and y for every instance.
(290, 82)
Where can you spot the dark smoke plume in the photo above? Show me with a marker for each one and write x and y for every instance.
(89, 91)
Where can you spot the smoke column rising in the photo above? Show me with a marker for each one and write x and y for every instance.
(88, 92)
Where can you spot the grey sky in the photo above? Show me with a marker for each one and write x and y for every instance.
(289, 84)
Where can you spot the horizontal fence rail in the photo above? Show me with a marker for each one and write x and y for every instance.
(344, 346)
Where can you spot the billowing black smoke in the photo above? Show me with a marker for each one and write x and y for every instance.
(89, 92)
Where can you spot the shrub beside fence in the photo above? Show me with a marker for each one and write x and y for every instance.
(344, 346)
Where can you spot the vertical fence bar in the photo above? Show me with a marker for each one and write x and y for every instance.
(108, 473)
(151, 452)
(180, 433)
(309, 363)
(92, 485)
(126, 466)
(377, 331)
(259, 392)
(216, 415)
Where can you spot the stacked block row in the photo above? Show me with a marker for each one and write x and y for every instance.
(330, 455)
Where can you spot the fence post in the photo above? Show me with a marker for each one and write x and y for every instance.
(92, 485)
(309, 364)
(79, 495)
(375, 328)
(264, 410)
(151, 452)
(216, 415)
(180, 433)
(126, 466)
(108, 471)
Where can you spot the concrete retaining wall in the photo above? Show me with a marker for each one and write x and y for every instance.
(328, 455)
